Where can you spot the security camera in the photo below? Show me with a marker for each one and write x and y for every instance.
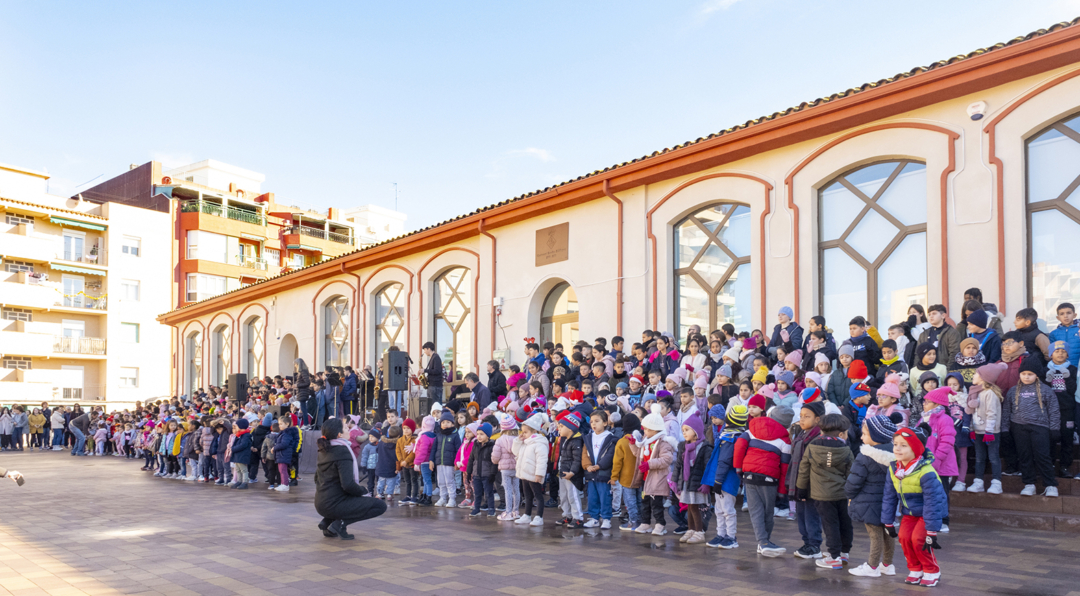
(977, 110)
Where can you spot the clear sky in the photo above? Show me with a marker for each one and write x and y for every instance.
(463, 104)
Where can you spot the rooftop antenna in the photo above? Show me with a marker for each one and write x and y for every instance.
(395, 196)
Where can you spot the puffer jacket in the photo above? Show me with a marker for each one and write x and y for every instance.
(285, 445)
(241, 448)
(838, 388)
(503, 454)
(480, 462)
(763, 454)
(570, 459)
(605, 458)
(622, 464)
(206, 440)
(1071, 336)
(919, 494)
(691, 479)
(387, 465)
(655, 484)
(941, 443)
(865, 485)
(406, 452)
(532, 457)
(445, 448)
(824, 468)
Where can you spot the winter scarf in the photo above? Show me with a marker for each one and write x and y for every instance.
(977, 360)
(347, 444)
(689, 455)
(1056, 375)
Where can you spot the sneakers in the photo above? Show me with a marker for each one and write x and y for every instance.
(1029, 491)
(771, 550)
(887, 569)
(715, 542)
(474, 513)
(605, 525)
(728, 543)
(808, 552)
(466, 504)
(976, 486)
(537, 521)
(913, 577)
(959, 487)
(944, 529)
(440, 503)
(778, 512)
(865, 570)
(696, 537)
(844, 557)
(791, 515)
(1051, 491)
(592, 523)
(746, 506)
(829, 563)
(643, 529)
(627, 527)
(576, 524)
(451, 504)
(659, 530)
(680, 530)
(284, 488)
(524, 519)
(995, 488)
(686, 536)
(562, 521)
(929, 580)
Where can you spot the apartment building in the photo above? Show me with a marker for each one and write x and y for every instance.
(80, 286)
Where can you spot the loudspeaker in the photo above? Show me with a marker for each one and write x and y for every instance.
(237, 387)
(278, 411)
(396, 371)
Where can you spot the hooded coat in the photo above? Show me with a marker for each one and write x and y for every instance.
(763, 453)
(865, 485)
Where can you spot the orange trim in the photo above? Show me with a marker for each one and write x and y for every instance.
(266, 324)
(475, 309)
(315, 319)
(619, 287)
(408, 304)
(648, 224)
(789, 182)
(992, 69)
(494, 272)
(999, 176)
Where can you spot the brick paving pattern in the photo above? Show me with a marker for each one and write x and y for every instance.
(100, 526)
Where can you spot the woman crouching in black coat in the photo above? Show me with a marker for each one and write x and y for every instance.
(338, 497)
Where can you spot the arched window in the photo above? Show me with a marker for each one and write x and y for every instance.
(253, 346)
(712, 268)
(336, 326)
(453, 305)
(194, 362)
(222, 349)
(1053, 205)
(872, 227)
(389, 319)
(559, 316)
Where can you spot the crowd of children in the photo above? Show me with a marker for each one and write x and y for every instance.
(798, 426)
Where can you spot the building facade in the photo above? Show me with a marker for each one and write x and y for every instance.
(908, 190)
(81, 286)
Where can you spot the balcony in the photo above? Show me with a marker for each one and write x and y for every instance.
(81, 258)
(22, 243)
(82, 346)
(320, 234)
(249, 262)
(217, 210)
(43, 345)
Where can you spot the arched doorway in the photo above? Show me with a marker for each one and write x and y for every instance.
(559, 316)
(287, 354)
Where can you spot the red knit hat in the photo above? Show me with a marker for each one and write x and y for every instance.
(912, 440)
(410, 424)
(857, 371)
(757, 400)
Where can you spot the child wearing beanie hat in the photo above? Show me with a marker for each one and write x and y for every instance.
(942, 440)
(691, 461)
(1061, 376)
(888, 400)
(821, 476)
(503, 456)
(443, 453)
(785, 390)
(984, 404)
(915, 487)
(623, 469)
(387, 466)
(865, 488)
(571, 478)
(530, 449)
(656, 453)
(482, 469)
(756, 406)
(1032, 414)
(762, 453)
(406, 456)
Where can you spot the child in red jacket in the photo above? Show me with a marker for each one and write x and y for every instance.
(762, 455)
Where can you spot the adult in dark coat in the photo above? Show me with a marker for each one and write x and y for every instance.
(496, 381)
(480, 394)
(338, 497)
(304, 394)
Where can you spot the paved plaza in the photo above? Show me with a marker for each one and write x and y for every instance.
(100, 526)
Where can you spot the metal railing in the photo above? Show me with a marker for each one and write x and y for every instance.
(320, 234)
(191, 206)
(82, 301)
(251, 262)
(94, 346)
(78, 257)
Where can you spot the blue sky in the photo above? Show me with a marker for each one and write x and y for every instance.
(462, 104)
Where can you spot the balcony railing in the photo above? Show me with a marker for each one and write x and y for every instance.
(78, 257)
(93, 346)
(220, 211)
(321, 234)
(251, 262)
(82, 301)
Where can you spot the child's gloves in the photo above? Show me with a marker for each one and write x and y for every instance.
(637, 436)
(971, 435)
(931, 542)
(988, 438)
(644, 467)
(689, 368)
(891, 530)
(784, 335)
(802, 494)
(704, 489)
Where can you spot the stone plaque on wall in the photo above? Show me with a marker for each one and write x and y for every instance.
(553, 244)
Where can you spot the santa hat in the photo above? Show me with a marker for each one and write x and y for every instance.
(637, 379)
(857, 371)
(912, 440)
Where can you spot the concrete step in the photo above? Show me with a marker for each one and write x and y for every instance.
(1014, 484)
(1068, 505)
(1023, 520)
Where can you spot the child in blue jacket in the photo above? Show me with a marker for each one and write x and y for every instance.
(720, 474)
(916, 487)
(284, 450)
(369, 458)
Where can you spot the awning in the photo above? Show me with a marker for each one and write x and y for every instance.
(76, 223)
(252, 237)
(303, 247)
(71, 269)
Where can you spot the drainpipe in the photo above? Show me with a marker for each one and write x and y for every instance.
(619, 287)
(493, 278)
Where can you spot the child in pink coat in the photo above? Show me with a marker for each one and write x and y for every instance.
(461, 462)
(942, 439)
